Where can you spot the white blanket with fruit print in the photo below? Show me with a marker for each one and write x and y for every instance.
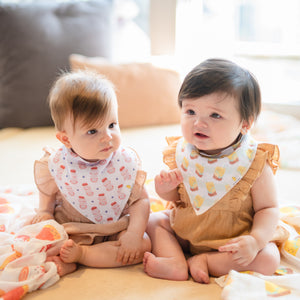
(285, 284)
(23, 266)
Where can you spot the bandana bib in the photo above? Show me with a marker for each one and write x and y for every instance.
(208, 178)
(98, 190)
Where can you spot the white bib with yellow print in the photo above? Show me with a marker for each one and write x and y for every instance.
(208, 179)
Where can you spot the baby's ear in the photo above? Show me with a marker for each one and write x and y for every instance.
(62, 137)
(246, 125)
(250, 122)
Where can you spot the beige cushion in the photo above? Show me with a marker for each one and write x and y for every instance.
(147, 95)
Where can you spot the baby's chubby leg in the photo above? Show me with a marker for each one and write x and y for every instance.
(167, 260)
(220, 263)
(103, 255)
(99, 255)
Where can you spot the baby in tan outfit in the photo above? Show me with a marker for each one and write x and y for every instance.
(220, 182)
(92, 184)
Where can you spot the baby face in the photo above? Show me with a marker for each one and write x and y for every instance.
(211, 122)
(96, 142)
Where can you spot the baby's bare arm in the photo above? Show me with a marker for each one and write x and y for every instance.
(46, 208)
(265, 220)
(139, 214)
(131, 242)
(266, 209)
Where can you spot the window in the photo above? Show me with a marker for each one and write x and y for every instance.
(263, 36)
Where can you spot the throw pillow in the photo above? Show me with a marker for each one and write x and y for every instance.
(36, 39)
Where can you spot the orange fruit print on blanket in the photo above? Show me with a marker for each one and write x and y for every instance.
(3, 201)
(48, 233)
(24, 273)
(6, 209)
(9, 259)
(16, 293)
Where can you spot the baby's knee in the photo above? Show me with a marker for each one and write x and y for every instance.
(270, 258)
(158, 219)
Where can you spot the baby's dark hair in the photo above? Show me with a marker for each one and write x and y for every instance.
(84, 95)
(223, 76)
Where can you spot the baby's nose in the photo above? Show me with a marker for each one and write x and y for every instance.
(200, 122)
(106, 136)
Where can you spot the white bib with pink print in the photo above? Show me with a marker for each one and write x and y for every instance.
(208, 178)
(98, 190)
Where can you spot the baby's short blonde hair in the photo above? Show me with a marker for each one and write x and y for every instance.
(83, 95)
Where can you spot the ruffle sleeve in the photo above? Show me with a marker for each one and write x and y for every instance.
(272, 155)
(169, 153)
(42, 176)
(169, 158)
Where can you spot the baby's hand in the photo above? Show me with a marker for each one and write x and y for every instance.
(42, 216)
(167, 181)
(130, 248)
(244, 249)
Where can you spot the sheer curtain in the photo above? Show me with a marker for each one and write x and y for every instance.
(264, 36)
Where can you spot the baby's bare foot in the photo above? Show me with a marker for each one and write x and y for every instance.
(62, 267)
(198, 268)
(70, 252)
(164, 267)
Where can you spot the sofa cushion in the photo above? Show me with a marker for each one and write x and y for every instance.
(36, 40)
(147, 95)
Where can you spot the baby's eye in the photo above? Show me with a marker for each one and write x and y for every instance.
(215, 116)
(190, 112)
(112, 125)
(92, 131)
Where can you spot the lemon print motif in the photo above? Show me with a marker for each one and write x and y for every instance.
(292, 246)
(193, 183)
(233, 158)
(211, 189)
(241, 170)
(198, 201)
(194, 154)
(219, 173)
(199, 170)
(185, 164)
(273, 290)
(250, 153)
(211, 160)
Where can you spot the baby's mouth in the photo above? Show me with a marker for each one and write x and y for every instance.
(106, 149)
(201, 135)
